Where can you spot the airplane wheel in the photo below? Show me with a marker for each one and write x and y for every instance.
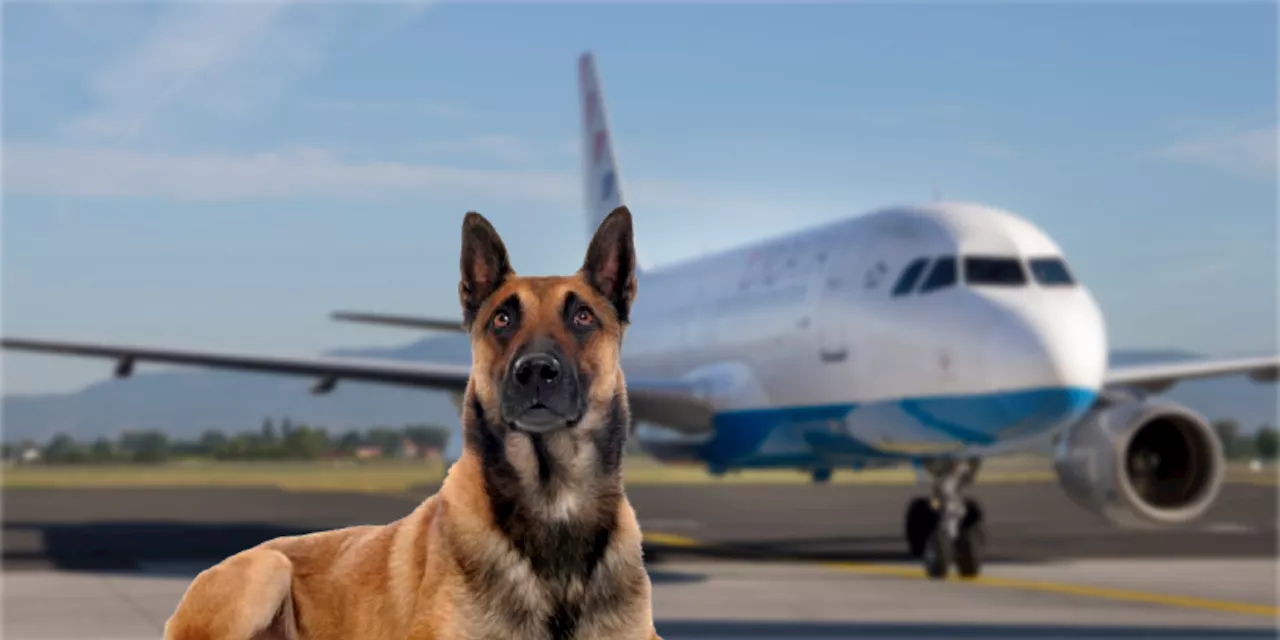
(938, 553)
(972, 513)
(922, 519)
(971, 542)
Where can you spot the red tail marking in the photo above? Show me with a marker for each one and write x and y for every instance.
(597, 150)
(592, 103)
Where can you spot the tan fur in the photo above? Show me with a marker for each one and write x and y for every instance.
(399, 580)
(416, 578)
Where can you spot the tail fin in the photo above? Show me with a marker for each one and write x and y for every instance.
(602, 183)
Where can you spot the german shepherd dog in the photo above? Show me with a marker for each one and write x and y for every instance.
(529, 536)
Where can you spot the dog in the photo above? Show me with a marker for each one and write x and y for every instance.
(529, 536)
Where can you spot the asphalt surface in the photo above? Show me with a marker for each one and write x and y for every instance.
(88, 529)
(729, 561)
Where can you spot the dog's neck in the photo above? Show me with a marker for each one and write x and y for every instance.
(555, 496)
(569, 541)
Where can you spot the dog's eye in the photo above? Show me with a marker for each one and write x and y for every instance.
(501, 319)
(583, 317)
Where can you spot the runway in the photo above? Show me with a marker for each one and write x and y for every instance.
(726, 561)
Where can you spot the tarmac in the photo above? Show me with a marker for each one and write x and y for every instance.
(726, 561)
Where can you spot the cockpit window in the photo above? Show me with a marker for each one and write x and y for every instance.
(941, 276)
(993, 271)
(910, 275)
(1051, 272)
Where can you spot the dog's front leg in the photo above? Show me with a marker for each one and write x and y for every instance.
(245, 597)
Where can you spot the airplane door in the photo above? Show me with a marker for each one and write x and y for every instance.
(850, 273)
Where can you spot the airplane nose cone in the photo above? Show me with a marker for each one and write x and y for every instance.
(1049, 361)
(1048, 346)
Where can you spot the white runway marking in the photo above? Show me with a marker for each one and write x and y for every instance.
(1228, 527)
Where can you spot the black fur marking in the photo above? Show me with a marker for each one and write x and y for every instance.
(500, 478)
(564, 620)
(611, 440)
(544, 458)
(512, 306)
(572, 303)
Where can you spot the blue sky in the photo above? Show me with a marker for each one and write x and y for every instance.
(225, 175)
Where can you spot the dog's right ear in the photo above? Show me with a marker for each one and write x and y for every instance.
(484, 265)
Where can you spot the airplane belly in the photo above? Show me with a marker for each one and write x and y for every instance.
(946, 424)
(909, 428)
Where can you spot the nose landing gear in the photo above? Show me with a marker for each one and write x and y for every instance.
(946, 528)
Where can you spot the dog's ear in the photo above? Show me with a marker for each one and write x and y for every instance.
(484, 265)
(610, 265)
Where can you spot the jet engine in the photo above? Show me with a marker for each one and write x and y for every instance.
(1141, 462)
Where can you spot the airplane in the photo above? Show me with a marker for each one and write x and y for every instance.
(934, 335)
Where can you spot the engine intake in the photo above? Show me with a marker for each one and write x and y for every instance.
(1141, 462)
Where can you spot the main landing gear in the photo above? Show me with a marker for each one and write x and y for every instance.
(946, 528)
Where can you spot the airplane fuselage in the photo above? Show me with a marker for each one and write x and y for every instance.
(821, 349)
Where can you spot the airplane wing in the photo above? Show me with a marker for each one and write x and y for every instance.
(416, 322)
(670, 403)
(1158, 377)
(327, 370)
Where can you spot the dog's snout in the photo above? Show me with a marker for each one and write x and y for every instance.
(537, 369)
(541, 390)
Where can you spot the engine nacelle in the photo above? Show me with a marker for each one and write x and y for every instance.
(725, 386)
(1141, 462)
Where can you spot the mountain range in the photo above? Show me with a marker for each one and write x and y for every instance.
(184, 403)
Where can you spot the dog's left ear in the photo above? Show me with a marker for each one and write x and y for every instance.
(610, 265)
(484, 265)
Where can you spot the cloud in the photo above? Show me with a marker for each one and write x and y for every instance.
(505, 149)
(430, 109)
(496, 146)
(189, 43)
(218, 59)
(111, 173)
(101, 172)
(1249, 154)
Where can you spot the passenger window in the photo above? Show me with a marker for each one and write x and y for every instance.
(1051, 272)
(910, 275)
(943, 275)
(1002, 272)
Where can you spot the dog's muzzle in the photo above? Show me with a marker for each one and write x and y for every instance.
(541, 393)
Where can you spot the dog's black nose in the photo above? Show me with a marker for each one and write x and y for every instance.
(541, 391)
(537, 370)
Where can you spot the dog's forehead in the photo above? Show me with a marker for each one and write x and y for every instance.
(544, 294)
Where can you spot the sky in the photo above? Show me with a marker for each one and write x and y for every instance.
(224, 175)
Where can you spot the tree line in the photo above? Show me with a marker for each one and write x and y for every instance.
(290, 441)
(1263, 444)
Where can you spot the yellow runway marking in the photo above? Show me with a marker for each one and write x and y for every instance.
(1070, 589)
(1106, 593)
(670, 539)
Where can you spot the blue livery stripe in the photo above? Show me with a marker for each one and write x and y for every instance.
(839, 435)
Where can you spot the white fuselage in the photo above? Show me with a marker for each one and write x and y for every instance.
(814, 360)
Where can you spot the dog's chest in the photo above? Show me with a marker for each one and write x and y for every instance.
(552, 596)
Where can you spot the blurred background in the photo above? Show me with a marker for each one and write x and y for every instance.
(225, 175)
